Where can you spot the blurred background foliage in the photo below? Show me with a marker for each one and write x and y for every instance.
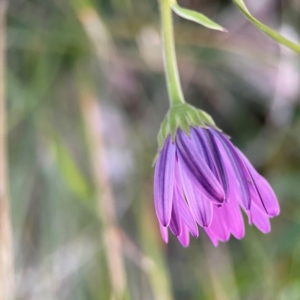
(86, 95)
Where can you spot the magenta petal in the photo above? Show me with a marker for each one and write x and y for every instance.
(197, 170)
(235, 218)
(237, 225)
(164, 233)
(260, 219)
(232, 216)
(219, 225)
(164, 182)
(239, 167)
(212, 237)
(227, 220)
(184, 238)
(200, 207)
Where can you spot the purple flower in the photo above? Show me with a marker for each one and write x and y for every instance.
(204, 179)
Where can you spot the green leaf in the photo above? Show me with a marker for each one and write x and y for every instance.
(195, 17)
(268, 31)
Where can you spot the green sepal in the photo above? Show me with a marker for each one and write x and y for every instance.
(183, 116)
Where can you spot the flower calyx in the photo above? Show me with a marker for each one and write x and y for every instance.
(183, 116)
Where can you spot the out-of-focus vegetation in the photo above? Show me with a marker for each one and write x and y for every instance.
(86, 95)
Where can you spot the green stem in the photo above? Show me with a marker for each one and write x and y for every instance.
(170, 62)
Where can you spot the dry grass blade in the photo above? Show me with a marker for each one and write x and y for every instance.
(105, 205)
(6, 247)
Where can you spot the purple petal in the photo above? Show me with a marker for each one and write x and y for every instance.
(227, 219)
(196, 168)
(234, 190)
(239, 167)
(232, 216)
(200, 140)
(206, 144)
(260, 219)
(201, 208)
(219, 225)
(231, 208)
(184, 238)
(262, 193)
(164, 182)
(212, 237)
(175, 224)
(182, 206)
(187, 216)
(268, 197)
(237, 225)
(222, 174)
(164, 233)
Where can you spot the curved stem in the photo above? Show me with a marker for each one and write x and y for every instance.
(170, 62)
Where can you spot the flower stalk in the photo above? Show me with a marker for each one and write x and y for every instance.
(169, 54)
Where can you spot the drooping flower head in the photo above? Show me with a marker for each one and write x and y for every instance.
(201, 178)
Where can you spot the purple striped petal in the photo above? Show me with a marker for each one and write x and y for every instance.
(239, 167)
(209, 149)
(262, 193)
(197, 170)
(260, 219)
(199, 138)
(164, 233)
(182, 206)
(234, 189)
(184, 238)
(270, 202)
(187, 216)
(175, 224)
(164, 182)
(232, 216)
(201, 208)
(222, 174)
(232, 208)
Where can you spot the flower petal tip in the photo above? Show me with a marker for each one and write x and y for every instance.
(274, 213)
(195, 234)
(184, 245)
(215, 243)
(239, 235)
(164, 222)
(266, 231)
(164, 233)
